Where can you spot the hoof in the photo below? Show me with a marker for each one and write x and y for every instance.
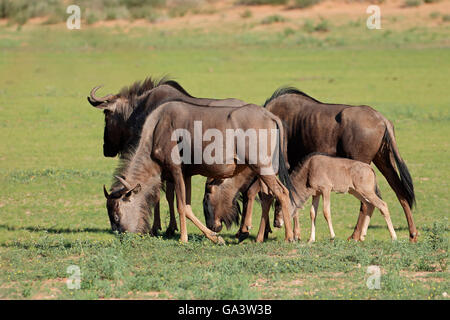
(332, 239)
(311, 241)
(290, 240)
(238, 234)
(153, 232)
(220, 241)
(170, 232)
(413, 237)
(243, 236)
(277, 224)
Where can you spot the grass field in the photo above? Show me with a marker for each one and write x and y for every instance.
(52, 208)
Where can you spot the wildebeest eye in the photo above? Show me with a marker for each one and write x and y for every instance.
(116, 218)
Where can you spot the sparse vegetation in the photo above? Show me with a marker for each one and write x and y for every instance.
(261, 2)
(304, 3)
(275, 18)
(321, 26)
(412, 3)
(246, 14)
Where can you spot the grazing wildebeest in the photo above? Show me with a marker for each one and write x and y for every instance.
(159, 155)
(318, 175)
(125, 114)
(355, 132)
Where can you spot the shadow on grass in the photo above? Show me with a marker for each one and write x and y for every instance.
(54, 230)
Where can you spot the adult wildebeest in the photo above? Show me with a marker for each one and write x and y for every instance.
(159, 155)
(318, 175)
(125, 114)
(355, 132)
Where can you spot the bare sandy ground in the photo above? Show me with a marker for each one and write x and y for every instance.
(225, 14)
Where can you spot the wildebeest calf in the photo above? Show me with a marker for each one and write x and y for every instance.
(319, 174)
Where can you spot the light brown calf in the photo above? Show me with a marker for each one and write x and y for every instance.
(320, 174)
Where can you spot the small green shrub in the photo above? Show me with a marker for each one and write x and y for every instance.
(412, 3)
(273, 19)
(304, 3)
(322, 26)
(261, 2)
(435, 14)
(246, 14)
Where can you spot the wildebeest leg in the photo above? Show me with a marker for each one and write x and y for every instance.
(180, 192)
(313, 215)
(188, 190)
(365, 224)
(170, 198)
(156, 220)
(282, 195)
(327, 211)
(246, 223)
(211, 235)
(296, 226)
(245, 202)
(185, 210)
(388, 171)
(382, 206)
(356, 235)
(266, 202)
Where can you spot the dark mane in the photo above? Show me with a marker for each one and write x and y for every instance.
(175, 85)
(140, 87)
(287, 90)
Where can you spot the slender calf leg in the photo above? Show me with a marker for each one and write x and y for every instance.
(382, 206)
(170, 195)
(296, 226)
(327, 212)
(366, 221)
(356, 235)
(313, 215)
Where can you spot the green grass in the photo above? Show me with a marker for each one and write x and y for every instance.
(52, 170)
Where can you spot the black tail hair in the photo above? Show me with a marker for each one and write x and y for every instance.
(405, 176)
(283, 172)
(377, 191)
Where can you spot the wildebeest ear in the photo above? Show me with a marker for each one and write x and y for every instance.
(105, 192)
(137, 188)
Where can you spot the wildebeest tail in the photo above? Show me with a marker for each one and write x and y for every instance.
(377, 191)
(405, 176)
(283, 166)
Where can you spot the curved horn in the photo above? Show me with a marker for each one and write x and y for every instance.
(102, 99)
(122, 181)
(105, 192)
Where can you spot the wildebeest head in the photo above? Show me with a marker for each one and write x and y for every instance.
(116, 132)
(220, 204)
(127, 209)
